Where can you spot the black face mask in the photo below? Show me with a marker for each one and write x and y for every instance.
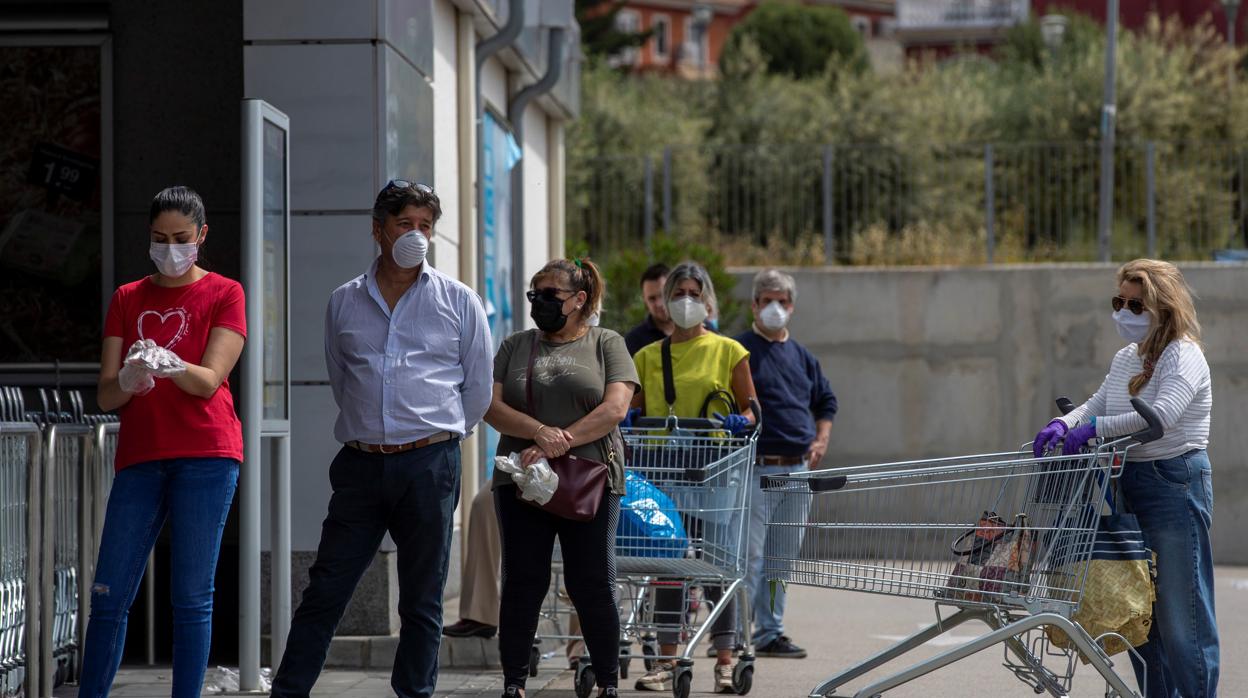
(547, 313)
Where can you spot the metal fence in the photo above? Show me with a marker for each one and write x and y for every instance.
(940, 203)
(56, 467)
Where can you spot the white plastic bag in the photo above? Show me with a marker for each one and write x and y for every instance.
(537, 482)
(156, 359)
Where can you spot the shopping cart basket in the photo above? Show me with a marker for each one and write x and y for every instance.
(705, 473)
(888, 529)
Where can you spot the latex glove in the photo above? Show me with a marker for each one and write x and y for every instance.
(158, 360)
(633, 413)
(1077, 438)
(736, 424)
(135, 380)
(1048, 437)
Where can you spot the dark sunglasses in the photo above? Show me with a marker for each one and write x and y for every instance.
(1135, 305)
(404, 184)
(547, 294)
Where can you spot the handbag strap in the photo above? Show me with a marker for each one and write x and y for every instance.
(528, 376)
(669, 383)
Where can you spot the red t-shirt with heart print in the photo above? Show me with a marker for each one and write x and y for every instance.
(169, 422)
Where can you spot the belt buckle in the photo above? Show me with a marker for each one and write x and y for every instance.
(382, 448)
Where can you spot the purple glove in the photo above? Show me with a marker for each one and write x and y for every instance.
(1078, 438)
(736, 424)
(1048, 437)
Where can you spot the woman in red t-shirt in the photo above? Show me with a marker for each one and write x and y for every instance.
(170, 342)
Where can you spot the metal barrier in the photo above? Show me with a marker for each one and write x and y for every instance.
(21, 459)
(56, 467)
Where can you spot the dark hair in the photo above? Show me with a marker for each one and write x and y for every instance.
(184, 200)
(654, 272)
(583, 275)
(393, 199)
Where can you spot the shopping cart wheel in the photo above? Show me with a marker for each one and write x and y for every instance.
(535, 658)
(585, 679)
(743, 678)
(683, 684)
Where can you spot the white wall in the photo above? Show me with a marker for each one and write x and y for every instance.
(445, 143)
(536, 191)
(494, 88)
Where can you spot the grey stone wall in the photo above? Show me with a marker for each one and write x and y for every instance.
(931, 362)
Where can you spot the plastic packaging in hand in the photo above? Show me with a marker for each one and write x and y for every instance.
(158, 360)
(537, 482)
(135, 379)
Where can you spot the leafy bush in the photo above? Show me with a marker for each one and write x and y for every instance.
(798, 40)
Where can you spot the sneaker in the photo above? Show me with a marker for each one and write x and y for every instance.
(470, 628)
(723, 679)
(659, 678)
(513, 692)
(781, 647)
(609, 692)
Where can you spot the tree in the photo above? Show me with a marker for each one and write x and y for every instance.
(600, 37)
(798, 40)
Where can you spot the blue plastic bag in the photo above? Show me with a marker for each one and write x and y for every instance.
(650, 525)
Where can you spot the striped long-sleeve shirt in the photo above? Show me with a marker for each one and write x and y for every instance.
(1180, 391)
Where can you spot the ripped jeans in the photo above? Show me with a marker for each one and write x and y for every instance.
(194, 495)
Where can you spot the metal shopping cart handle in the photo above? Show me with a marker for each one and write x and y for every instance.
(708, 424)
(1152, 432)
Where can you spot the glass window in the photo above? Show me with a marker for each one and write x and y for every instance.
(662, 27)
(275, 302)
(50, 204)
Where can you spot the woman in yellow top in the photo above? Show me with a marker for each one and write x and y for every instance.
(707, 369)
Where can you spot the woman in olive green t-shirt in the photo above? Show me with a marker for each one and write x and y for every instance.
(582, 382)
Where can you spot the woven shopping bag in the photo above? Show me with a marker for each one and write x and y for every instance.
(1119, 591)
(997, 560)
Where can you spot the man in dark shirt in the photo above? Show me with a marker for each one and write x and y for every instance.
(798, 407)
(658, 324)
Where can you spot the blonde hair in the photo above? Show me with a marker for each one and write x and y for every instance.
(1168, 297)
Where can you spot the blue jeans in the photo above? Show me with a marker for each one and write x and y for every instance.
(194, 494)
(412, 495)
(1173, 499)
(769, 617)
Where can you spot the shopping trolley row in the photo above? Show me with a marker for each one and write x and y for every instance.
(1002, 538)
(54, 479)
(680, 550)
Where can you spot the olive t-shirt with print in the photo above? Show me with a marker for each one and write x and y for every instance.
(569, 381)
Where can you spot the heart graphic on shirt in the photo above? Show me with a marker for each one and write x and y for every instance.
(165, 329)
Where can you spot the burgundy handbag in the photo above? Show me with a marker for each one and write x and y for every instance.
(582, 481)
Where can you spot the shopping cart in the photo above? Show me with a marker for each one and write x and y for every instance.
(706, 474)
(888, 529)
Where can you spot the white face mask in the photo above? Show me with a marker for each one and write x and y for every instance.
(173, 260)
(1132, 327)
(774, 317)
(593, 320)
(687, 312)
(410, 249)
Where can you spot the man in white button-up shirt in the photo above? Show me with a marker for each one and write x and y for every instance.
(410, 362)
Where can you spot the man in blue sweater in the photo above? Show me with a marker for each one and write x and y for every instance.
(798, 408)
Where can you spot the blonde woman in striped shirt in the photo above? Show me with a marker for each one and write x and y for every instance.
(1167, 483)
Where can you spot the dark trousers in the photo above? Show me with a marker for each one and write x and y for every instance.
(588, 547)
(413, 496)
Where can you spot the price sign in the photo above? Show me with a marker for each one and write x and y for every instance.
(64, 171)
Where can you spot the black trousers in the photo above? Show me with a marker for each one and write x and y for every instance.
(413, 496)
(528, 536)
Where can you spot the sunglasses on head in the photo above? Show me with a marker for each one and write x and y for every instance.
(548, 294)
(404, 184)
(1135, 305)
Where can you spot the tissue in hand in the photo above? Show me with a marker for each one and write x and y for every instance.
(537, 482)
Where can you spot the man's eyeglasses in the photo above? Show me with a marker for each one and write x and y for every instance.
(548, 294)
(1135, 305)
(404, 184)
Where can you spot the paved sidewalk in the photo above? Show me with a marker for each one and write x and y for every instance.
(838, 628)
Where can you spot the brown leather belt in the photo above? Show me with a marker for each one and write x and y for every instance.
(388, 449)
(781, 460)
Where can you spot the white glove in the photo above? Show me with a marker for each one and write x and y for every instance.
(157, 360)
(135, 379)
